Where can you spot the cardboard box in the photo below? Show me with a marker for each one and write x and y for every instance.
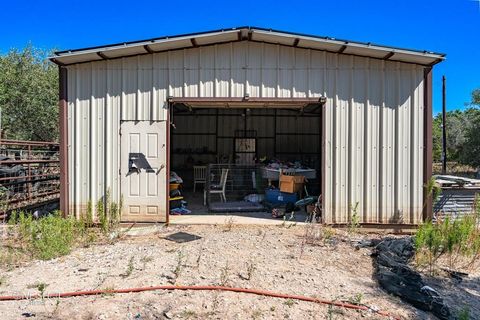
(291, 184)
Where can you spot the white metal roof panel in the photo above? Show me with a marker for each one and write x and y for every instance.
(123, 52)
(246, 33)
(217, 38)
(170, 44)
(76, 58)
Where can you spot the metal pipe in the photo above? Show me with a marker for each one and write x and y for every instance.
(39, 195)
(26, 143)
(28, 161)
(444, 125)
(50, 175)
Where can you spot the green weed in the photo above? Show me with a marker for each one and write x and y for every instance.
(356, 299)
(289, 303)
(464, 314)
(109, 213)
(453, 238)
(251, 267)
(130, 268)
(224, 275)
(48, 237)
(433, 190)
(109, 291)
(180, 265)
(354, 219)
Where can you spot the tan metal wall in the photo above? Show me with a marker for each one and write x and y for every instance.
(374, 117)
(374, 141)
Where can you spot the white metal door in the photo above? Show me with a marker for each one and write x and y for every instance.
(143, 171)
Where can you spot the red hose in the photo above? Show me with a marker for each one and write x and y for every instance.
(201, 288)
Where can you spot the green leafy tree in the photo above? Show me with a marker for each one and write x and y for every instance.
(458, 124)
(29, 95)
(437, 138)
(476, 97)
(471, 152)
(463, 134)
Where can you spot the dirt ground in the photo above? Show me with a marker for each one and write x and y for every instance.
(277, 257)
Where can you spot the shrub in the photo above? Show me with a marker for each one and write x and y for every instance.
(48, 237)
(109, 213)
(451, 237)
(354, 223)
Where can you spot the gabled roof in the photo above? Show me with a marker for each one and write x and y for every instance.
(192, 40)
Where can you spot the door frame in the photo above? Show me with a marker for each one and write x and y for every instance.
(167, 139)
(167, 163)
(215, 103)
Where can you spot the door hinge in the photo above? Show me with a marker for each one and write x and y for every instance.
(120, 131)
(119, 172)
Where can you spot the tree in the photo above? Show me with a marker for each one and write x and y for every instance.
(437, 138)
(471, 152)
(29, 95)
(476, 97)
(463, 134)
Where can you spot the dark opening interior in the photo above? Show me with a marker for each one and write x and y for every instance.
(241, 139)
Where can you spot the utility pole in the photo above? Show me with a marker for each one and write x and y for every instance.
(444, 125)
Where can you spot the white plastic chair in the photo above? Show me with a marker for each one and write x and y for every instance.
(218, 188)
(199, 176)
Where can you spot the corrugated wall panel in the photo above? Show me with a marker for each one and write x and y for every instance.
(270, 71)
(72, 110)
(374, 102)
(112, 127)
(238, 69)
(207, 71)
(191, 72)
(329, 139)
(223, 57)
(254, 68)
(160, 84)
(358, 145)
(373, 138)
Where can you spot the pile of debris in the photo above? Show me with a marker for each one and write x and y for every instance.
(457, 196)
(445, 181)
(396, 277)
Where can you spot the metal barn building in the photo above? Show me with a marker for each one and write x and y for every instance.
(360, 112)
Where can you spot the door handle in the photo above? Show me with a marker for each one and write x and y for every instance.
(160, 169)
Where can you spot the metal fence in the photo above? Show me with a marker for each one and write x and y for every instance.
(29, 174)
(241, 180)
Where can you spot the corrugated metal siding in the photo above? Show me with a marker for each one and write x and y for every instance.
(455, 202)
(374, 117)
(374, 141)
(94, 108)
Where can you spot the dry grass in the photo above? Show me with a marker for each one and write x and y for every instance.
(455, 168)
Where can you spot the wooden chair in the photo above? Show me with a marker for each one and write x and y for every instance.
(218, 188)
(199, 176)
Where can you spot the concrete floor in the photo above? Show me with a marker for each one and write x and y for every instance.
(251, 218)
(200, 215)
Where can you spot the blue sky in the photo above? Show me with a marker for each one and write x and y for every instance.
(447, 26)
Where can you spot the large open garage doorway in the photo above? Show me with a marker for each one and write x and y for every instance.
(227, 156)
